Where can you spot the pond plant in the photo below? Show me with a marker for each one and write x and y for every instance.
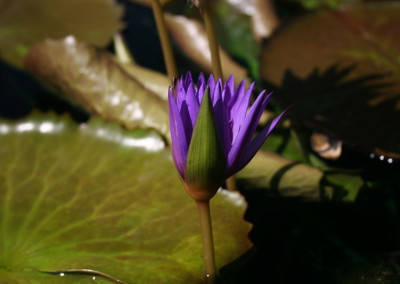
(212, 139)
(111, 109)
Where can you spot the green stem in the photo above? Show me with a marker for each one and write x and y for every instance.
(208, 244)
(165, 40)
(212, 38)
(231, 183)
(215, 60)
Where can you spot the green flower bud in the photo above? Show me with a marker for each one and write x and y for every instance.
(206, 162)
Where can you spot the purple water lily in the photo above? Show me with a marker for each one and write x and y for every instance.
(235, 124)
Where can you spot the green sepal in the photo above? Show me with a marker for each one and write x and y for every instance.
(205, 164)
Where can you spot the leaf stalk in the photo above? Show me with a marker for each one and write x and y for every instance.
(215, 59)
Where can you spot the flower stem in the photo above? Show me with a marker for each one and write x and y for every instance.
(165, 40)
(212, 38)
(208, 244)
(231, 183)
(215, 60)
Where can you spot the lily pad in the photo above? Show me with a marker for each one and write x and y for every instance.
(94, 80)
(24, 23)
(340, 69)
(148, 2)
(95, 196)
(281, 177)
(314, 4)
(264, 19)
(152, 80)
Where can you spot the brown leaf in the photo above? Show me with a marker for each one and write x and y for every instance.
(340, 69)
(94, 80)
(190, 35)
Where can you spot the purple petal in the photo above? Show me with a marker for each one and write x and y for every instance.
(239, 109)
(188, 80)
(247, 130)
(193, 105)
(200, 92)
(222, 121)
(230, 84)
(237, 94)
(217, 92)
(211, 85)
(174, 85)
(221, 118)
(179, 142)
(186, 121)
(226, 94)
(257, 143)
(180, 94)
(201, 80)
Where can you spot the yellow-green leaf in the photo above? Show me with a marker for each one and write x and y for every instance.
(95, 196)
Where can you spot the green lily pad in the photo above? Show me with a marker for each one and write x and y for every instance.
(343, 186)
(97, 197)
(340, 70)
(314, 4)
(281, 176)
(288, 174)
(24, 23)
(94, 80)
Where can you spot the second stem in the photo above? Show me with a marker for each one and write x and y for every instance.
(215, 59)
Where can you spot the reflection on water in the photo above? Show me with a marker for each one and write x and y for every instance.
(381, 158)
(42, 127)
(149, 140)
(233, 196)
(84, 276)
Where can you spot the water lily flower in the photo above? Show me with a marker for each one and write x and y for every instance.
(212, 131)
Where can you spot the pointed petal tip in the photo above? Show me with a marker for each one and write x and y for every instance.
(242, 82)
(289, 107)
(267, 98)
(211, 77)
(262, 93)
(171, 96)
(230, 79)
(201, 79)
(251, 87)
(256, 143)
(174, 82)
